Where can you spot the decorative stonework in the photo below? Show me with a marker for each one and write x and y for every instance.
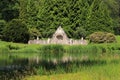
(59, 37)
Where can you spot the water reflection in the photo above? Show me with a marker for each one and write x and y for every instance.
(17, 65)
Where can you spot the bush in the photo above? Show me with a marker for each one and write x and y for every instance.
(34, 33)
(80, 32)
(16, 31)
(102, 37)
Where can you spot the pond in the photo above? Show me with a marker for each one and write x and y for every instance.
(16, 66)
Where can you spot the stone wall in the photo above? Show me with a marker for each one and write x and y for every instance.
(59, 37)
(55, 41)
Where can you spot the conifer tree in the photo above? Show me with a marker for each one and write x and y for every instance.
(73, 15)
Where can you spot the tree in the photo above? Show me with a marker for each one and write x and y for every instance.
(9, 9)
(98, 18)
(90, 15)
(16, 31)
(29, 10)
(114, 9)
(34, 33)
(80, 32)
(2, 25)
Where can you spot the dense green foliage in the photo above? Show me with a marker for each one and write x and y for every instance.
(102, 37)
(79, 18)
(16, 31)
(9, 9)
(2, 25)
(34, 33)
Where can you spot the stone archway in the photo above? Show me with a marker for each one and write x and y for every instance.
(59, 37)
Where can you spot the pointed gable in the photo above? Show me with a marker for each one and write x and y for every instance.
(60, 34)
(59, 30)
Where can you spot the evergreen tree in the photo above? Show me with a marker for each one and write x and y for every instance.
(91, 15)
(2, 25)
(9, 9)
(16, 31)
(98, 18)
(73, 15)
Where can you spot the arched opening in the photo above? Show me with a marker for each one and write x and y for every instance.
(59, 37)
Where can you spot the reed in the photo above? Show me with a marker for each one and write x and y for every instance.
(96, 72)
(87, 49)
(52, 48)
(4, 49)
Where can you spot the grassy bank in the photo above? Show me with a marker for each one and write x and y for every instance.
(10, 47)
(25, 48)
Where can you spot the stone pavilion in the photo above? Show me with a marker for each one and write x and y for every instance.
(59, 37)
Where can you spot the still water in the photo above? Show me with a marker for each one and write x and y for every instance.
(15, 66)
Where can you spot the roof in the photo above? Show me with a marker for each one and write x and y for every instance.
(59, 31)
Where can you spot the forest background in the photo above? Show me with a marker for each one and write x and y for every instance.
(21, 20)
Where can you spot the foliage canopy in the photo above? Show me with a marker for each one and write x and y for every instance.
(16, 31)
(79, 18)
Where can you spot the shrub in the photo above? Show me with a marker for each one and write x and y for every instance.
(80, 32)
(16, 31)
(102, 37)
(34, 33)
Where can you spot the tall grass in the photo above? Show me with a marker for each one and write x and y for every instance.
(52, 49)
(90, 48)
(97, 72)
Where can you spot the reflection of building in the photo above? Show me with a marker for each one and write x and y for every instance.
(59, 37)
